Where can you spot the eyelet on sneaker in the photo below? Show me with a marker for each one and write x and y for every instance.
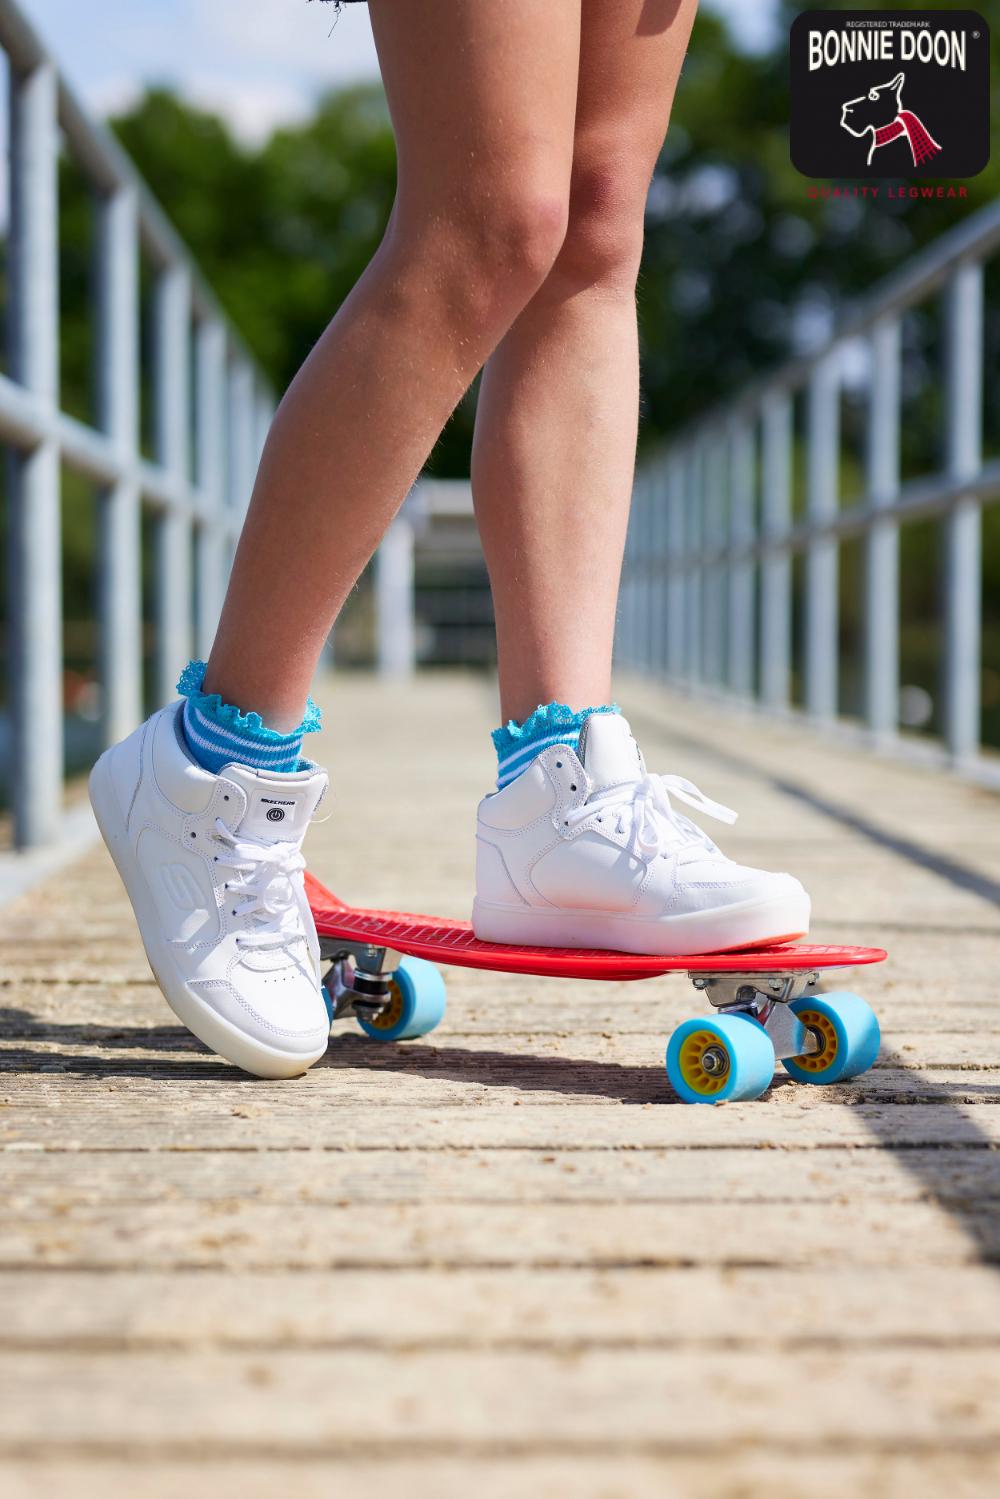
(558, 765)
(572, 788)
(194, 835)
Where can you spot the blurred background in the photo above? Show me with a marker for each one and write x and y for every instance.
(261, 128)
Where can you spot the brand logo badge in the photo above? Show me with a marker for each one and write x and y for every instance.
(182, 887)
(275, 814)
(891, 93)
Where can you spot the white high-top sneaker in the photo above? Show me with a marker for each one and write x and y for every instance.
(213, 868)
(586, 849)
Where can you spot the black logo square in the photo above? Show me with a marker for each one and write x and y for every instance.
(890, 93)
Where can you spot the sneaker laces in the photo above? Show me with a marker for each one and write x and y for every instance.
(656, 824)
(268, 871)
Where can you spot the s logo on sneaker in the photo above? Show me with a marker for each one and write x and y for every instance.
(181, 887)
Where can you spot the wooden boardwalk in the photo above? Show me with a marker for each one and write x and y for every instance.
(503, 1260)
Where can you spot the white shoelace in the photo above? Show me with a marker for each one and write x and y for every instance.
(267, 871)
(655, 823)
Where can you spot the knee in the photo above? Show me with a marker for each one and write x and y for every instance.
(490, 248)
(517, 235)
(604, 235)
(509, 240)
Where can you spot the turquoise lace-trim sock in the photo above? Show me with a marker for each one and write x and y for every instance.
(218, 734)
(551, 723)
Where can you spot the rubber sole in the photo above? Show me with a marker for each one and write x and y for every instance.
(200, 1019)
(750, 924)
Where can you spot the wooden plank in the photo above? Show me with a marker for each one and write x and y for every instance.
(313, 1403)
(58, 1182)
(360, 1077)
(744, 1475)
(64, 1113)
(559, 1309)
(85, 1015)
(123, 1116)
(245, 1234)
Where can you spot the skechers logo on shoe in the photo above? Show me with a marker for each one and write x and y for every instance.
(181, 887)
(275, 810)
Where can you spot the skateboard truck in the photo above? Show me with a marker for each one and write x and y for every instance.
(766, 997)
(358, 978)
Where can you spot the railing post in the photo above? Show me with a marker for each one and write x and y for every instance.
(640, 576)
(36, 709)
(882, 539)
(394, 599)
(241, 441)
(211, 534)
(646, 563)
(714, 594)
(623, 616)
(120, 541)
(822, 556)
(741, 570)
(694, 515)
(239, 447)
(776, 567)
(676, 626)
(173, 540)
(661, 562)
(963, 550)
(263, 417)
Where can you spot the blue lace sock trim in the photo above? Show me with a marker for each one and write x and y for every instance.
(218, 734)
(551, 723)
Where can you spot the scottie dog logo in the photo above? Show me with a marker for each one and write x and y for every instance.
(879, 115)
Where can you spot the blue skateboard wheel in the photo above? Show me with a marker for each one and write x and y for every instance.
(720, 1060)
(848, 1032)
(416, 1003)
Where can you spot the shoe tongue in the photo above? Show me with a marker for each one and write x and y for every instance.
(278, 807)
(607, 751)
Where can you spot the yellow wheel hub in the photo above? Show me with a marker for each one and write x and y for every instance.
(822, 1026)
(693, 1060)
(393, 1012)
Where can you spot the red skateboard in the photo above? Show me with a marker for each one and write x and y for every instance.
(767, 1009)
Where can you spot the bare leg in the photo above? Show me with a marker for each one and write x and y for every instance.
(558, 412)
(482, 100)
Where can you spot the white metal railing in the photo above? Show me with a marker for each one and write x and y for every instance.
(395, 572)
(206, 439)
(707, 585)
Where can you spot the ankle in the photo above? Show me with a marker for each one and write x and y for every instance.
(517, 745)
(219, 734)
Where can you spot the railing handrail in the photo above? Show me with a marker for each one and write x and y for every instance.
(109, 167)
(707, 590)
(925, 272)
(210, 413)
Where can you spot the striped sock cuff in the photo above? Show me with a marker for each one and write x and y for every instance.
(218, 734)
(517, 745)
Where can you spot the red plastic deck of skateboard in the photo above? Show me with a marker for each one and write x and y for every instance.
(452, 942)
